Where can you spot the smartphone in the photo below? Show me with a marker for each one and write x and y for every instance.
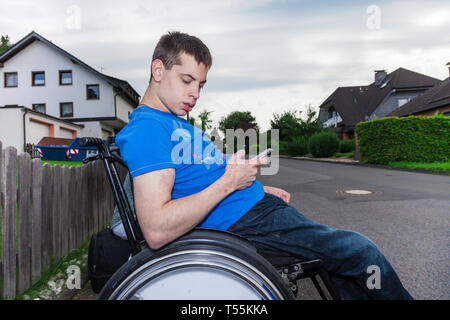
(263, 154)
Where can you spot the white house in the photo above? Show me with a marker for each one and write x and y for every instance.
(37, 74)
(20, 126)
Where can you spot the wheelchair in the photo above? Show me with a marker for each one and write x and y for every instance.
(203, 264)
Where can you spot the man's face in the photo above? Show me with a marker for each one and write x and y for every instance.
(179, 88)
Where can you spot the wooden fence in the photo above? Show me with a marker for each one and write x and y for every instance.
(46, 211)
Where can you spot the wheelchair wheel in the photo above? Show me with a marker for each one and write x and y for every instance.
(203, 264)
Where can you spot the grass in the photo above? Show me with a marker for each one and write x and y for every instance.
(440, 166)
(54, 279)
(63, 163)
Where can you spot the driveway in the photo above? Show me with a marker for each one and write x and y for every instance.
(406, 214)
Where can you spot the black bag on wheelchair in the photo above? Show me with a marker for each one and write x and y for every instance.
(107, 253)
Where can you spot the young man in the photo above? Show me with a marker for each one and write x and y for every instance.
(171, 197)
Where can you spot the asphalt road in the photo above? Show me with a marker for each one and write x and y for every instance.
(407, 215)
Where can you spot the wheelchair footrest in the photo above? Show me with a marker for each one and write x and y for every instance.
(301, 270)
(308, 269)
(311, 268)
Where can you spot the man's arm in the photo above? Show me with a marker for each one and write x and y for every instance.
(162, 219)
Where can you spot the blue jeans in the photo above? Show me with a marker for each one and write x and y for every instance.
(271, 224)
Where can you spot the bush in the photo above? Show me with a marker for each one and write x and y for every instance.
(298, 146)
(411, 139)
(283, 147)
(346, 146)
(323, 144)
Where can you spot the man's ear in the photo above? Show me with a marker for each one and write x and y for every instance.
(157, 69)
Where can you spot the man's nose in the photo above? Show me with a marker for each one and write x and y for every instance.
(195, 93)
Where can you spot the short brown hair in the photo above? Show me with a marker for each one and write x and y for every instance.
(173, 43)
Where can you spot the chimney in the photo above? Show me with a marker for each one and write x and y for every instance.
(380, 75)
(448, 66)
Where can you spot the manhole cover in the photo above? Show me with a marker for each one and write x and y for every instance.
(358, 192)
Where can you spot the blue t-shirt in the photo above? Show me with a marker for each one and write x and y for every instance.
(154, 140)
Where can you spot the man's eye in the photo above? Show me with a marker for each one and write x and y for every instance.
(186, 81)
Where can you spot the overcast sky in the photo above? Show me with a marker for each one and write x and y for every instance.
(268, 56)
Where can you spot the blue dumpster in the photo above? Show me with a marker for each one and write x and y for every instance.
(72, 152)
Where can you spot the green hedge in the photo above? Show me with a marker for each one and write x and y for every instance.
(412, 139)
(283, 147)
(323, 144)
(297, 147)
(346, 146)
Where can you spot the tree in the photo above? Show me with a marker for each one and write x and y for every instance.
(5, 44)
(311, 125)
(205, 120)
(292, 125)
(287, 123)
(238, 120)
(191, 120)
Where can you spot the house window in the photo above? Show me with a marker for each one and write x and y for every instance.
(39, 107)
(65, 77)
(66, 109)
(332, 113)
(92, 91)
(11, 79)
(38, 78)
(402, 101)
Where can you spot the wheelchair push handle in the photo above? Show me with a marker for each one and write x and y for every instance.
(90, 142)
(106, 149)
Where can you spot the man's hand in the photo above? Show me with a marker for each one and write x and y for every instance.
(286, 196)
(241, 173)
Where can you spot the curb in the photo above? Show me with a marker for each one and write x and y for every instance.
(377, 166)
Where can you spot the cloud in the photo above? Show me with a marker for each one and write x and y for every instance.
(269, 55)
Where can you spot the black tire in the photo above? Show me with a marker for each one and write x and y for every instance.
(221, 248)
